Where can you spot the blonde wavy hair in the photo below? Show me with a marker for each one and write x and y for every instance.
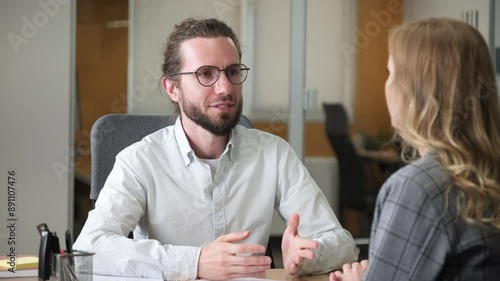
(444, 73)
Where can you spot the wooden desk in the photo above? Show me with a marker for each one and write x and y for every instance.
(272, 274)
(279, 274)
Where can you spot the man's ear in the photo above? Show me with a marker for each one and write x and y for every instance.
(171, 88)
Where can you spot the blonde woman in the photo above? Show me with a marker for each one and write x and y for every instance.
(438, 218)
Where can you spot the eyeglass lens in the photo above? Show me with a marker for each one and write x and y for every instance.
(208, 75)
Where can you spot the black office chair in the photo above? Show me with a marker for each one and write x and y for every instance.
(114, 132)
(353, 190)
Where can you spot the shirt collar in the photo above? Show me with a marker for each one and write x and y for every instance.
(230, 145)
(188, 153)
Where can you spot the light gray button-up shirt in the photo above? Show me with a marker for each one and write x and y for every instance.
(159, 189)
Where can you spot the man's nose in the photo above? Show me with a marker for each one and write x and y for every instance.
(223, 86)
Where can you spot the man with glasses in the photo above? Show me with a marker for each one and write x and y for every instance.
(200, 194)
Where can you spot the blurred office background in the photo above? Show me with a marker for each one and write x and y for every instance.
(65, 63)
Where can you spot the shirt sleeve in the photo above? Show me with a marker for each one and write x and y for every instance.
(119, 208)
(298, 193)
(408, 240)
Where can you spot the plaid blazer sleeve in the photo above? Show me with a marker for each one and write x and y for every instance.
(409, 239)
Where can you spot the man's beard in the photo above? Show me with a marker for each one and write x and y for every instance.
(221, 127)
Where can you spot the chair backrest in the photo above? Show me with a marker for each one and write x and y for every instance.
(352, 185)
(114, 132)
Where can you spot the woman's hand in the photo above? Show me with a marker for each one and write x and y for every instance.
(350, 272)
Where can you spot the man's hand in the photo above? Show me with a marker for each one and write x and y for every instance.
(219, 260)
(295, 248)
(351, 272)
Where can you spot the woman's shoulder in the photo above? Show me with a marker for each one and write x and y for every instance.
(427, 171)
(425, 178)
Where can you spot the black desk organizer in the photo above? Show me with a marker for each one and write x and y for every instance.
(49, 246)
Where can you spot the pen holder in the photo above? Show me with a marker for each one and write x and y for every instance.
(75, 266)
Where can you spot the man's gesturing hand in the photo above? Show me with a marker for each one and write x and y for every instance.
(219, 260)
(295, 248)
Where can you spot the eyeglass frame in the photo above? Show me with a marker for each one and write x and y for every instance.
(243, 67)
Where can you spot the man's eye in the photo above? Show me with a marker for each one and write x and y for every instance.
(206, 73)
(234, 72)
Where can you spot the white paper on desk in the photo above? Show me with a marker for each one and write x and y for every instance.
(246, 279)
(254, 279)
(19, 273)
(116, 278)
(34, 273)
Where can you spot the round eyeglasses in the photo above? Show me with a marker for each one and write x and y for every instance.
(208, 75)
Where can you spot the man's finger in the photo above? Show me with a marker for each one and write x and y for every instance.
(291, 269)
(234, 236)
(247, 249)
(306, 243)
(298, 260)
(252, 261)
(364, 264)
(249, 269)
(293, 223)
(307, 254)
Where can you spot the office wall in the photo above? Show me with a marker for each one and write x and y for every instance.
(488, 21)
(495, 41)
(420, 9)
(35, 123)
(101, 59)
(496, 24)
(327, 66)
(375, 19)
(326, 63)
(151, 23)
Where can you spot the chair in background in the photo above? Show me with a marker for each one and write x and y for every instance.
(110, 135)
(114, 132)
(354, 192)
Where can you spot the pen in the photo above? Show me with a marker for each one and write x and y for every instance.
(55, 244)
(69, 242)
(69, 246)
